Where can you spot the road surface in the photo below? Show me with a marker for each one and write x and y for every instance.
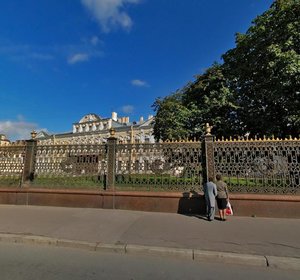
(36, 262)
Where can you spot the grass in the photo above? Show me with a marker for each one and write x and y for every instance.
(144, 182)
(63, 182)
(163, 182)
(9, 182)
(260, 185)
(159, 183)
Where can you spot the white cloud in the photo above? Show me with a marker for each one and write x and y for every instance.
(25, 52)
(17, 130)
(110, 13)
(73, 53)
(95, 40)
(20, 118)
(78, 57)
(41, 56)
(127, 109)
(139, 83)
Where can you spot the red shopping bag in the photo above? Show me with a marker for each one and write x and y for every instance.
(229, 211)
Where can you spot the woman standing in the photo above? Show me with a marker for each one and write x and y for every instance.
(222, 197)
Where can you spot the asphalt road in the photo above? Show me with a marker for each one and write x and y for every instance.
(32, 262)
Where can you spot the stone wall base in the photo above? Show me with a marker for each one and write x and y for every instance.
(279, 206)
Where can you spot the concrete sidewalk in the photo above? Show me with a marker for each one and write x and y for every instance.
(259, 237)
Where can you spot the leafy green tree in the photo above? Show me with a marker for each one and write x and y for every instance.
(173, 119)
(256, 89)
(206, 100)
(210, 94)
(263, 71)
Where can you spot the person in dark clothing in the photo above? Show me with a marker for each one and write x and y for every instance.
(210, 193)
(222, 197)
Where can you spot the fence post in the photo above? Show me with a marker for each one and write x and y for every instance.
(111, 160)
(208, 148)
(29, 161)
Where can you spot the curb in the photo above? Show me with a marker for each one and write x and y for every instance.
(189, 254)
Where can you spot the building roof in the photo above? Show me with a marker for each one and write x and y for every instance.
(90, 118)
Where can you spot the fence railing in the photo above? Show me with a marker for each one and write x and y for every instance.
(12, 160)
(248, 166)
(70, 166)
(259, 165)
(159, 166)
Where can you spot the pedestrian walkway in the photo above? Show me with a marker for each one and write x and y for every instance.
(241, 235)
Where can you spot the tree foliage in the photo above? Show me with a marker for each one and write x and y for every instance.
(213, 99)
(256, 89)
(173, 120)
(264, 72)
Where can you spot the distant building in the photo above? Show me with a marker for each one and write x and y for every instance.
(92, 129)
(3, 140)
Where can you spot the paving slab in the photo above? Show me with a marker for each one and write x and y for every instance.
(283, 262)
(241, 235)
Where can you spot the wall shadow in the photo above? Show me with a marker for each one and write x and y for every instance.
(192, 203)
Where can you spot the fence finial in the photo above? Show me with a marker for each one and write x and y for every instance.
(208, 129)
(112, 132)
(33, 134)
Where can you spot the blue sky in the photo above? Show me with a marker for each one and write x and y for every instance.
(62, 59)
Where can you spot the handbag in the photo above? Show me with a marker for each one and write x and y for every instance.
(229, 211)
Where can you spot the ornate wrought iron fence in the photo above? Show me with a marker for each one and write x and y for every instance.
(11, 165)
(255, 166)
(259, 165)
(159, 166)
(70, 166)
